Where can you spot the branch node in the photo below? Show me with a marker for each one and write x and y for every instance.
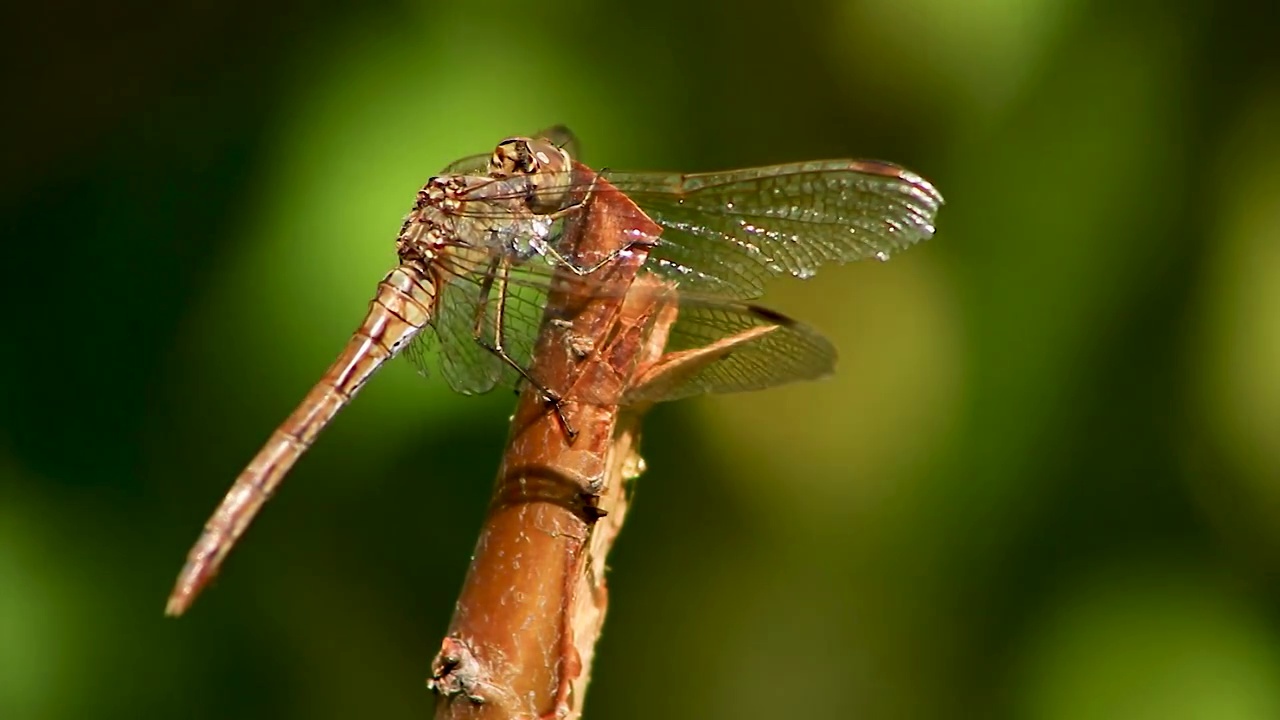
(457, 672)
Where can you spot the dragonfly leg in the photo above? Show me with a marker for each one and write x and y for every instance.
(580, 271)
(497, 277)
(578, 206)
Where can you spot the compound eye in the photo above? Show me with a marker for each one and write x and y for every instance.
(503, 162)
(514, 157)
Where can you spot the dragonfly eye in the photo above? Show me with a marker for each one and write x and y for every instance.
(551, 180)
(513, 156)
(548, 157)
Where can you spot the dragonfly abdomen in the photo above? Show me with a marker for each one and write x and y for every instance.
(399, 311)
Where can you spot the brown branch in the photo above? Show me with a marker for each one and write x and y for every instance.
(526, 623)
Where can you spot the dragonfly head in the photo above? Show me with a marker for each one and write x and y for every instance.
(544, 165)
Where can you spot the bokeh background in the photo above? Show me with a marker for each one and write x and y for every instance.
(1044, 484)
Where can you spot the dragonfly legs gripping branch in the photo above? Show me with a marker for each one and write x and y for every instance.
(496, 280)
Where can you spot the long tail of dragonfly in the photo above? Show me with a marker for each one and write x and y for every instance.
(400, 309)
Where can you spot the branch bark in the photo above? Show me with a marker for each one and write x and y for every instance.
(532, 606)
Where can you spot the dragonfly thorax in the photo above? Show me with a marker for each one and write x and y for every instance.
(442, 193)
(525, 239)
(490, 213)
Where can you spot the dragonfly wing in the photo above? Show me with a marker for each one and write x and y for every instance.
(726, 233)
(474, 315)
(470, 165)
(562, 137)
(466, 365)
(733, 347)
(740, 346)
(522, 310)
(423, 349)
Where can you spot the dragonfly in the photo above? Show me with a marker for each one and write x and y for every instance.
(483, 247)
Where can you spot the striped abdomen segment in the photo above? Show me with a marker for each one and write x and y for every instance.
(401, 308)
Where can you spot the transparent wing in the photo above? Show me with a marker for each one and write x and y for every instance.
(466, 365)
(522, 305)
(776, 349)
(726, 233)
(470, 165)
(562, 137)
(423, 348)
(780, 350)
(475, 314)
(723, 235)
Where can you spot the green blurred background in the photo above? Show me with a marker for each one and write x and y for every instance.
(1044, 484)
